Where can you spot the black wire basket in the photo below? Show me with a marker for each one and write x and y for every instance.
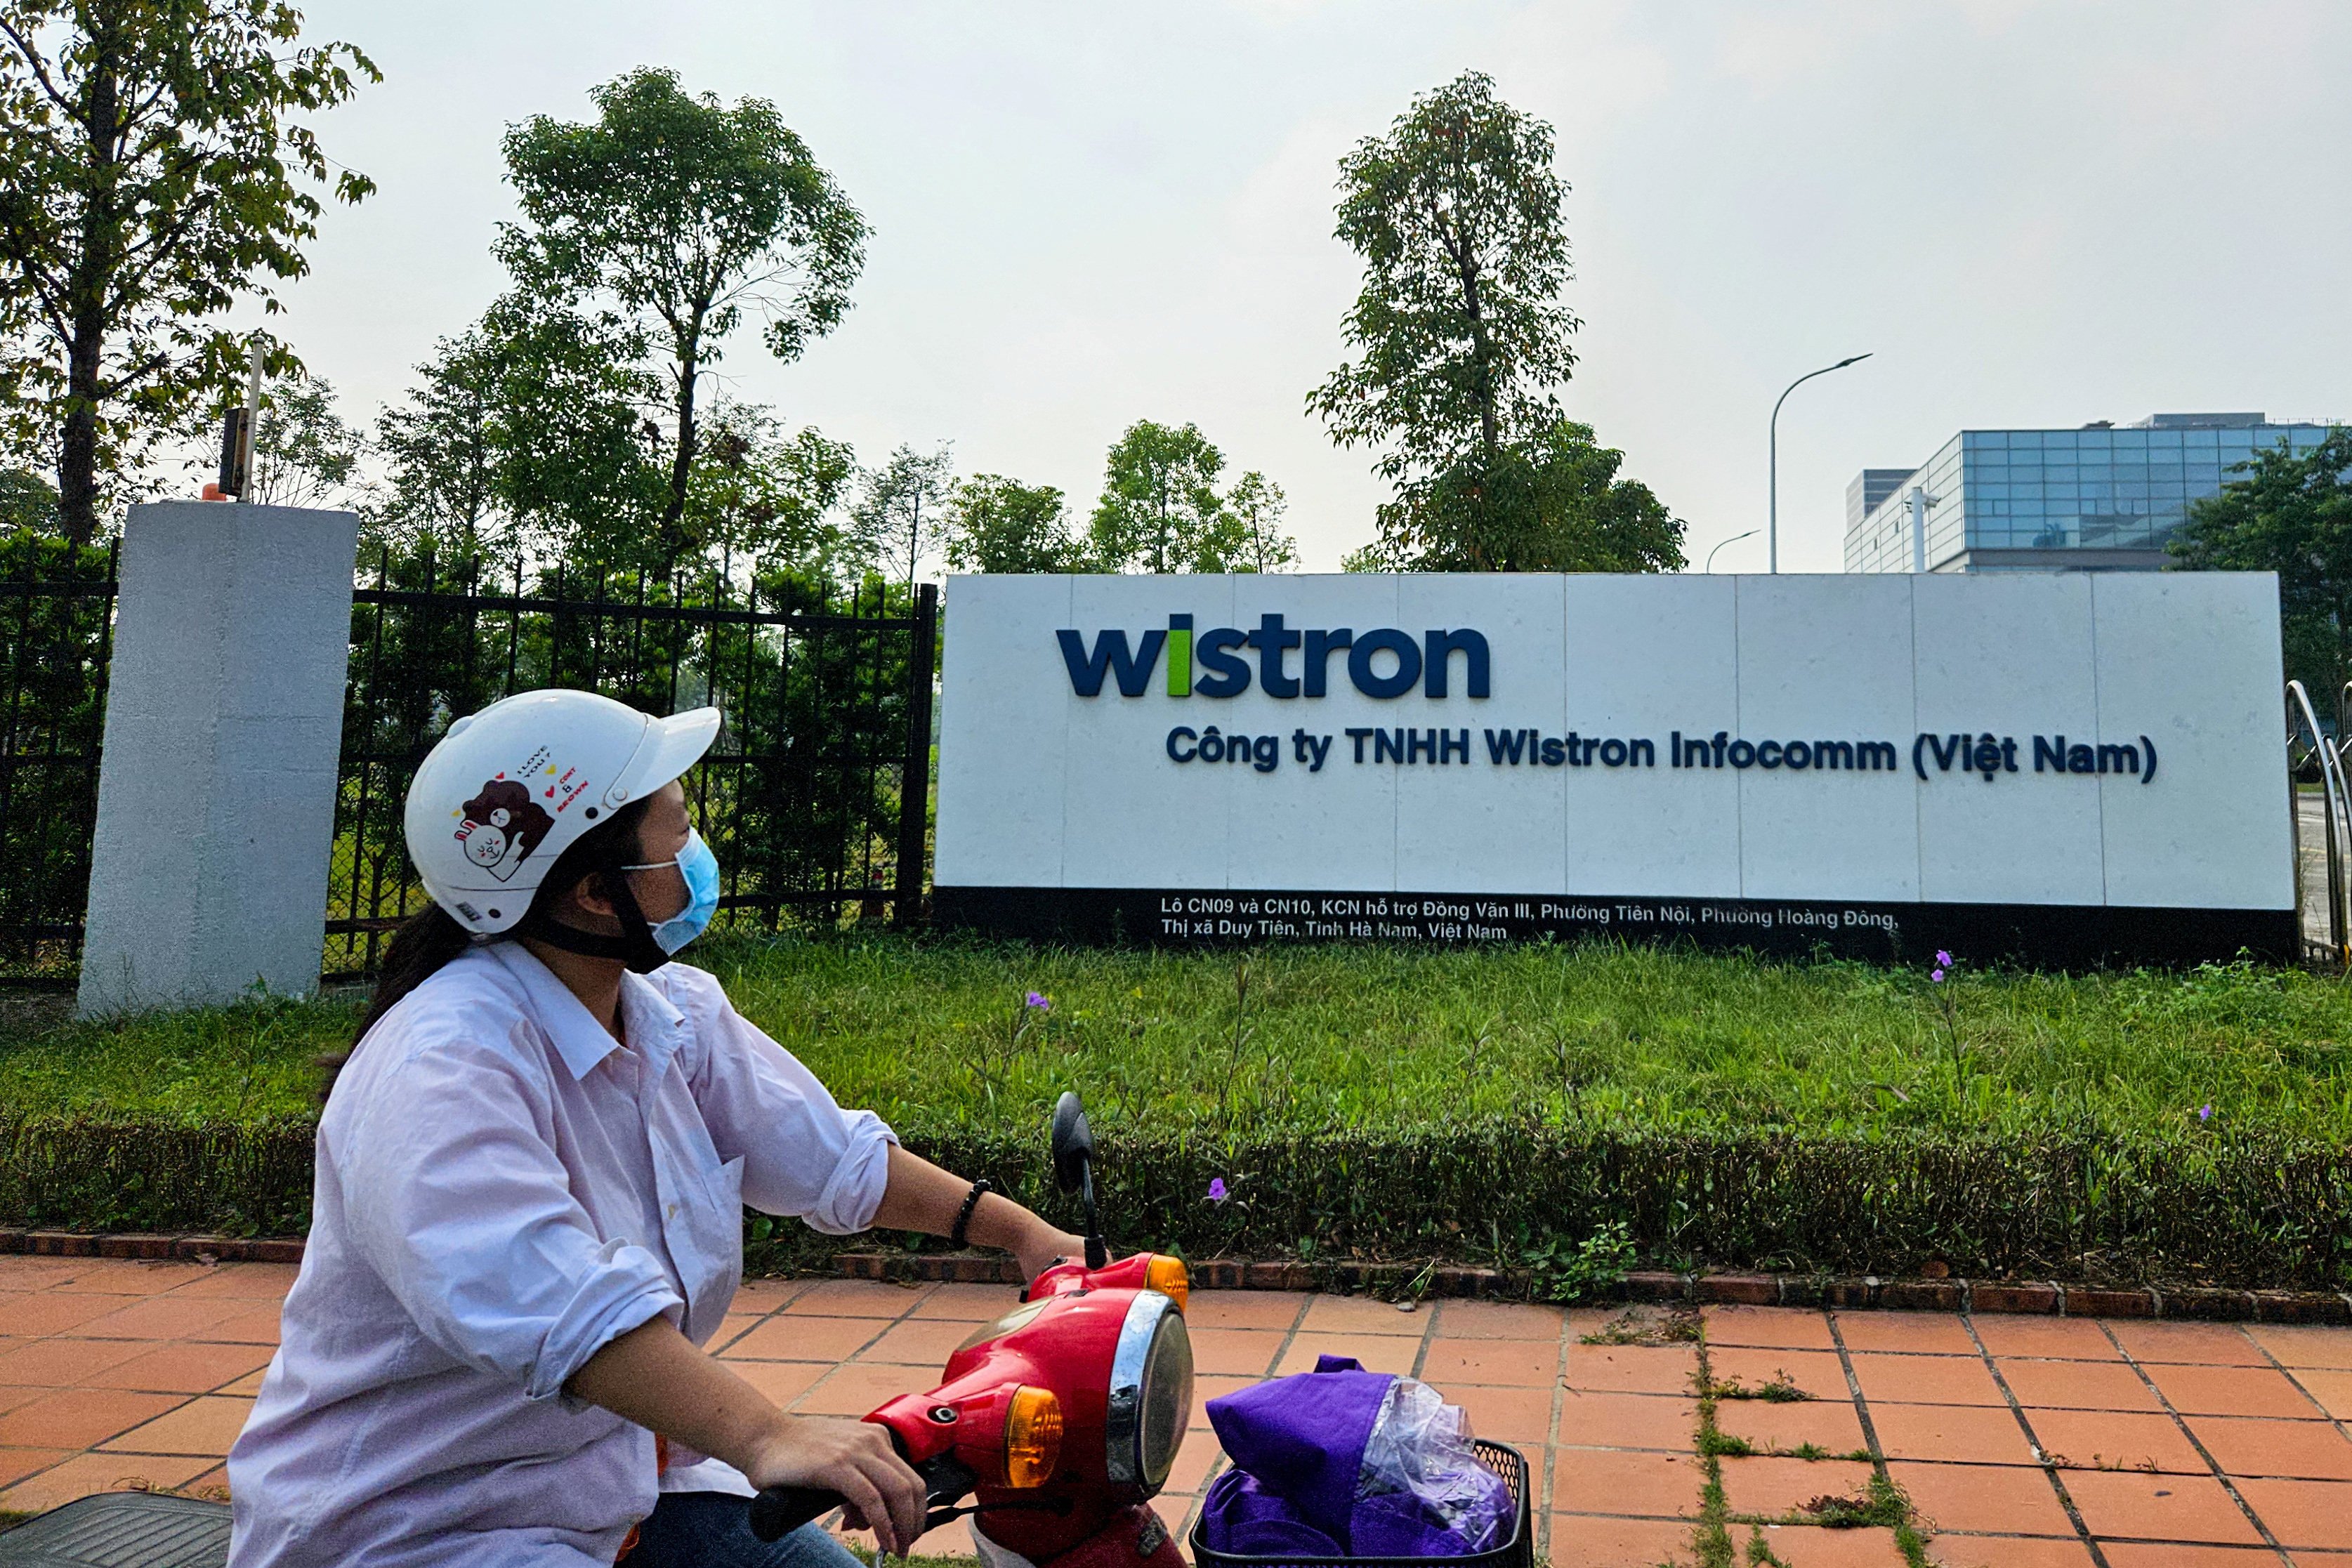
(1517, 1550)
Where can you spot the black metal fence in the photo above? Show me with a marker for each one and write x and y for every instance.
(815, 796)
(57, 635)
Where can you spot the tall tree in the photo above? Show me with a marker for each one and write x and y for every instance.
(995, 524)
(1458, 329)
(149, 178)
(1159, 507)
(682, 214)
(2292, 514)
(900, 514)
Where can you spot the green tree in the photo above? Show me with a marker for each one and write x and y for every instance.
(149, 178)
(1251, 538)
(1160, 510)
(997, 524)
(303, 453)
(527, 433)
(761, 495)
(1550, 503)
(578, 471)
(2292, 514)
(1458, 330)
(902, 510)
(28, 503)
(679, 213)
(440, 479)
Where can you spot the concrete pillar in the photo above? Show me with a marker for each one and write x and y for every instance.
(216, 784)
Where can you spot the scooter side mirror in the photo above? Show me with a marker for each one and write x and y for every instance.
(1074, 1143)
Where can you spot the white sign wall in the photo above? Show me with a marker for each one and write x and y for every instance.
(2057, 765)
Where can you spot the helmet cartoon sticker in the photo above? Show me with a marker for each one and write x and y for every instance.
(503, 825)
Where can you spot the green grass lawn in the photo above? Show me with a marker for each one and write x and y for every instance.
(932, 1033)
(1562, 1109)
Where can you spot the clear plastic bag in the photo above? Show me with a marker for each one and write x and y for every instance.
(1420, 1446)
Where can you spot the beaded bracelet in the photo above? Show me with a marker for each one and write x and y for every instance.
(963, 1216)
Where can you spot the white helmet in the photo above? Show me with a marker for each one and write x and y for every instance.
(510, 788)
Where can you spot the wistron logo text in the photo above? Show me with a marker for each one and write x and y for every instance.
(1389, 663)
(1425, 661)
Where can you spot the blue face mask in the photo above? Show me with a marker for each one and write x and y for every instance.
(701, 869)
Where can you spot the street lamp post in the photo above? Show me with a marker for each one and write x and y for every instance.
(1732, 540)
(1773, 522)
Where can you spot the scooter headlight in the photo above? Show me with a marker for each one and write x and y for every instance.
(1151, 1392)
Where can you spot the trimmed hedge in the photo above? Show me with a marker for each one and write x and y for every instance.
(2242, 1209)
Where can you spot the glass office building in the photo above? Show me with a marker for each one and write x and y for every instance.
(2100, 499)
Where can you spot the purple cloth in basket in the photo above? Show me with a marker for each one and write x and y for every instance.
(1303, 1439)
(1243, 1518)
(1297, 1447)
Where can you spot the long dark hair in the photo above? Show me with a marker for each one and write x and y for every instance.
(428, 942)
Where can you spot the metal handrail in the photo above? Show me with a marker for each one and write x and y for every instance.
(2337, 797)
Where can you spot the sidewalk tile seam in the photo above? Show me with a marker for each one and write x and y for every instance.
(883, 1326)
(2271, 1357)
(2262, 1528)
(2034, 1445)
(1544, 1484)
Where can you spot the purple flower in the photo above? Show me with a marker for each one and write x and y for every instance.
(1942, 959)
(1039, 1001)
(1938, 976)
(1217, 1193)
(2205, 1112)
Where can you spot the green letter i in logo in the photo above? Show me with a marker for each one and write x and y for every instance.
(1180, 655)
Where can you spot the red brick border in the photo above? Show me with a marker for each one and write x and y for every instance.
(194, 1248)
(1987, 1296)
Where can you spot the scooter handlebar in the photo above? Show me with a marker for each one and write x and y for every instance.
(779, 1510)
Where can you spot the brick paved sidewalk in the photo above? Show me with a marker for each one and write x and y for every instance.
(2029, 1441)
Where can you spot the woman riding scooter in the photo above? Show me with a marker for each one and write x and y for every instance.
(530, 1177)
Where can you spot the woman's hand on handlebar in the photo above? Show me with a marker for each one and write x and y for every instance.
(855, 1459)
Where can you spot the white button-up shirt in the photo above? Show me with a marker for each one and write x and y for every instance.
(502, 1189)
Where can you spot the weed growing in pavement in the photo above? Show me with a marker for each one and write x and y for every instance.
(1880, 1503)
(1781, 1390)
(1724, 1445)
(1711, 1537)
(2146, 1465)
(1637, 1325)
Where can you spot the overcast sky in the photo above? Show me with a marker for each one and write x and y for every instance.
(1087, 213)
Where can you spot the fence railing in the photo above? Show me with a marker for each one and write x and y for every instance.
(815, 796)
(57, 636)
(2312, 751)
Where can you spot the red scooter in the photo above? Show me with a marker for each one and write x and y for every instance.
(1061, 1417)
